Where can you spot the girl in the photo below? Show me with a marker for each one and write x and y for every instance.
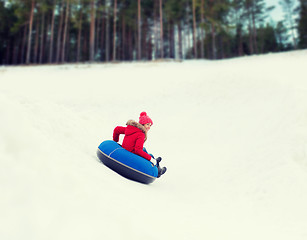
(135, 136)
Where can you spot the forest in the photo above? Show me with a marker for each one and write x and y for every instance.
(70, 31)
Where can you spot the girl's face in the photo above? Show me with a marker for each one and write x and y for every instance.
(147, 126)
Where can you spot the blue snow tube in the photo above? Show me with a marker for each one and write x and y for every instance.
(126, 163)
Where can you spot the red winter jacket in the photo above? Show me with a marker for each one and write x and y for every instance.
(135, 136)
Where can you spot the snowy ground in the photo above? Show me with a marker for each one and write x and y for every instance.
(232, 133)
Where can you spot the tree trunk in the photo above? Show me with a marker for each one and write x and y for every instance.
(155, 26)
(36, 40)
(8, 51)
(123, 38)
(97, 30)
(65, 31)
(161, 31)
(251, 45)
(202, 55)
(102, 35)
(30, 33)
(114, 30)
(139, 30)
(16, 48)
(194, 29)
(107, 32)
(23, 46)
(41, 52)
(85, 43)
(187, 29)
(213, 41)
(172, 41)
(179, 41)
(92, 32)
(60, 27)
(79, 36)
(146, 46)
(254, 34)
(130, 47)
(240, 47)
(52, 33)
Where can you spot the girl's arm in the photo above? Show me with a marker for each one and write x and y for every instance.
(117, 131)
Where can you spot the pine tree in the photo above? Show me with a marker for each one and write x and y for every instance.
(92, 31)
(65, 30)
(30, 32)
(8, 19)
(289, 10)
(161, 28)
(255, 13)
(114, 29)
(281, 35)
(52, 32)
(302, 24)
(194, 28)
(237, 14)
(216, 13)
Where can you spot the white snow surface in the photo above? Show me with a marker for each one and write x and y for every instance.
(233, 134)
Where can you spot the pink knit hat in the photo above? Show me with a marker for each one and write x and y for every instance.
(144, 119)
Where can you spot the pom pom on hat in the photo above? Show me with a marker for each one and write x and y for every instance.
(144, 119)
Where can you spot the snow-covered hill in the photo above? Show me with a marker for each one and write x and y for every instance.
(233, 134)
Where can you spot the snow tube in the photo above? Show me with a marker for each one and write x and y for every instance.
(126, 163)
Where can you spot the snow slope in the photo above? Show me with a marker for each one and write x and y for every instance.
(233, 134)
